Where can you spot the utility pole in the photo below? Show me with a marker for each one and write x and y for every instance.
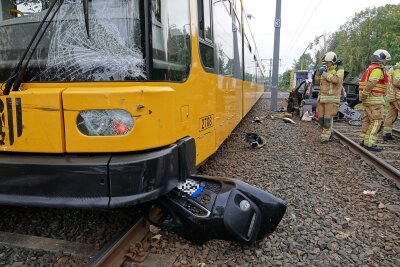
(309, 46)
(270, 68)
(275, 68)
(324, 48)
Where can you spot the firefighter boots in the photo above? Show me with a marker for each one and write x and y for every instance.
(387, 137)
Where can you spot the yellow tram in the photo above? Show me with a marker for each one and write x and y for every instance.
(109, 103)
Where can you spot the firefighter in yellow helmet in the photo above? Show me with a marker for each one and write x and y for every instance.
(330, 77)
(393, 98)
(372, 90)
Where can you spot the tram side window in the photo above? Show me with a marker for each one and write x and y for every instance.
(238, 48)
(249, 63)
(171, 40)
(207, 20)
(260, 77)
(223, 36)
(206, 34)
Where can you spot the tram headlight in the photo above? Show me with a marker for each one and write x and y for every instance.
(104, 122)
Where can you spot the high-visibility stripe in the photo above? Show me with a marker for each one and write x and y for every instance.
(394, 78)
(387, 130)
(326, 134)
(329, 99)
(362, 137)
(379, 88)
(378, 91)
(374, 100)
(372, 136)
(391, 96)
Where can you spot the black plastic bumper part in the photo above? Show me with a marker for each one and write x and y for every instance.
(94, 181)
(226, 209)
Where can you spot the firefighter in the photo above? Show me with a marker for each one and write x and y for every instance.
(372, 90)
(330, 77)
(393, 98)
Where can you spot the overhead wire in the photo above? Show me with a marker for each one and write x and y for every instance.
(308, 21)
(299, 25)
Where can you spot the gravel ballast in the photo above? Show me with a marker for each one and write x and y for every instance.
(329, 221)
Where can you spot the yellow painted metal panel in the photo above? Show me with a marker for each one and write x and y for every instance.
(249, 97)
(32, 121)
(200, 93)
(152, 108)
(229, 106)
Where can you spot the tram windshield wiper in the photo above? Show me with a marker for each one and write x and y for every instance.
(14, 81)
(86, 15)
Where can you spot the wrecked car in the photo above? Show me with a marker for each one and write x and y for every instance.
(304, 97)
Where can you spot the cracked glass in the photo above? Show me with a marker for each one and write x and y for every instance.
(112, 52)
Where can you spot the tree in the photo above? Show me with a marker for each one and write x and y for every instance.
(303, 62)
(367, 31)
(284, 83)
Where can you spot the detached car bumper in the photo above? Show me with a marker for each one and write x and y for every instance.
(94, 181)
(220, 208)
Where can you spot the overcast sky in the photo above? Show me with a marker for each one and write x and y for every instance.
(302, 21)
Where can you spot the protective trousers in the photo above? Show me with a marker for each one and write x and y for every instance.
(371, 121)
(326, 112)
(394, 109)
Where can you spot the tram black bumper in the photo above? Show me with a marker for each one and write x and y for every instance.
(95, 181)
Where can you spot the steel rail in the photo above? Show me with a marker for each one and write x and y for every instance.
(381, 166)
(113, 253)
(396, 132)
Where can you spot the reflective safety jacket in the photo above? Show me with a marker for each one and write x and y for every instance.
(373, 85)
(331, 83)
(393, 93)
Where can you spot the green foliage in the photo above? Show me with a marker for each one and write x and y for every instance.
(284, 83)
(303, 62)
(366, 32)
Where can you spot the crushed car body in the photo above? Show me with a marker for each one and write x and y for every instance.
(304, 97)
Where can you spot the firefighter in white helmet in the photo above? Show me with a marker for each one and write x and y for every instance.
(393, 99)
(372, 90)
(330, 77)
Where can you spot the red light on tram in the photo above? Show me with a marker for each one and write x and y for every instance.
(104, 122)
(120, 128)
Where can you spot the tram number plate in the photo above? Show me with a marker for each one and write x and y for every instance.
(206, 122)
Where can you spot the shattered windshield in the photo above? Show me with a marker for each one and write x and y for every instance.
(113, 50)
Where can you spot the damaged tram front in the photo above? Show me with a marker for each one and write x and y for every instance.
(103, 105)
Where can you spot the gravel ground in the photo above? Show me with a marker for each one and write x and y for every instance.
(329, 222)
(84, 226)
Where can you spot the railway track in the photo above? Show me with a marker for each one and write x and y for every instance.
(396, 132)
(129, 243)
(386, 162)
